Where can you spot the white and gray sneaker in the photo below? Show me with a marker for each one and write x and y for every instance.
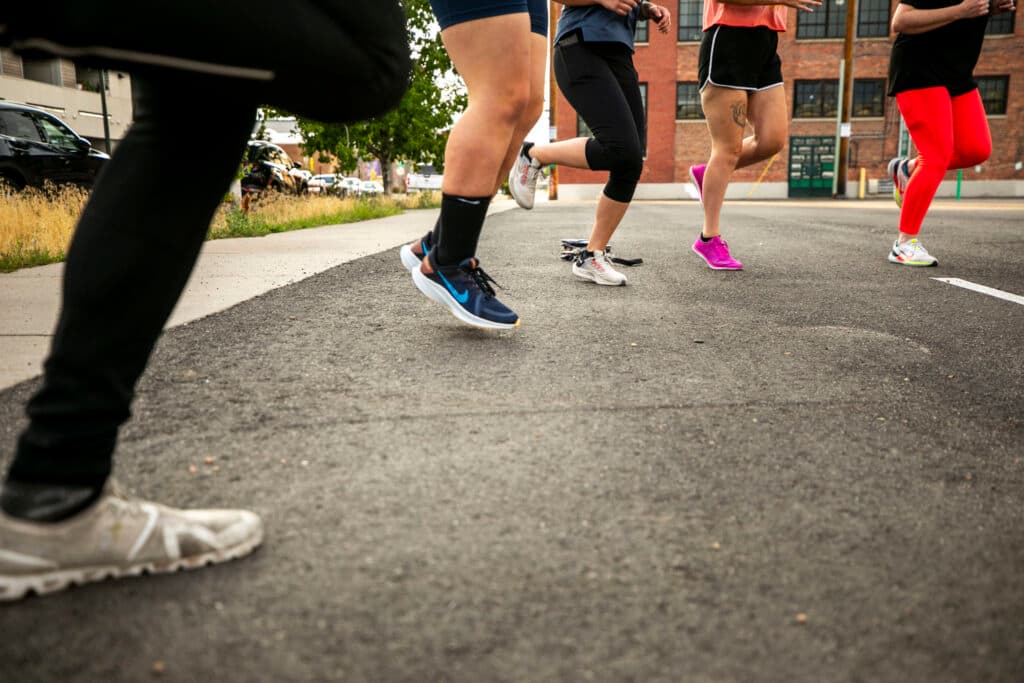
(118, 536)
(911, 253)
(522, 179)
(595, 266)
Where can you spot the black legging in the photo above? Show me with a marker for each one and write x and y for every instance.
(601, 84)
(134, 248)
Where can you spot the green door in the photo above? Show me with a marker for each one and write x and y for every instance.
(811, 166)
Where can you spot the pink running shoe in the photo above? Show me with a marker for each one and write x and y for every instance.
(716, 253)
(697, 178)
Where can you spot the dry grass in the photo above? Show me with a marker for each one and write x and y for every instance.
(36, 227)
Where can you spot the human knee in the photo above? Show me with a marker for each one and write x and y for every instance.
(624, 175)
(770, 145)
(533, 109)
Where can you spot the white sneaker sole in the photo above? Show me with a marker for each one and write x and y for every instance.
(913, 264)
(17, 587)
(436, 292)
(587, 275)
(409, 259)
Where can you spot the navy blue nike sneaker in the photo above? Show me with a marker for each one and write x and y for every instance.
(466, 290)
(412, 254)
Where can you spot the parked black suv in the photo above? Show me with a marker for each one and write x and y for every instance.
(268, 167)
(36, 147)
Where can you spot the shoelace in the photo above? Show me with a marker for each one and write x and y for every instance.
(483, 280)
(916, 248)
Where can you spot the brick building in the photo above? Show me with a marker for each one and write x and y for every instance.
(811, 51)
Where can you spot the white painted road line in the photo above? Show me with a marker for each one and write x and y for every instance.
(997, 293)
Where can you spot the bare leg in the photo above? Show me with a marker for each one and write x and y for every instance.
(493, 57)
(726, 112)
(768, 117)
(606, 220)
(564, 153)
(534, 108)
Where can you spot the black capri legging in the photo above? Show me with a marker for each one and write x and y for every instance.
(601, 84)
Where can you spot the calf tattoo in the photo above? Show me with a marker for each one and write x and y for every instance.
(739, 114)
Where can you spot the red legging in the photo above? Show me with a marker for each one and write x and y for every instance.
(949, 133)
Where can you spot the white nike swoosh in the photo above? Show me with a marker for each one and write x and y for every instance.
(467, 201)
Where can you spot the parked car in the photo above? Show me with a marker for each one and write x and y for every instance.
(324, 183)
(350, 187)
(268, 167)
(371, 187)
(424, 179)
(36, 147)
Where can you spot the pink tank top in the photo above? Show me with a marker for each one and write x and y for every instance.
(771, 16)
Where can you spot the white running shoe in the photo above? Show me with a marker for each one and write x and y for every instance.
(118, 536)
(595, 266)
(911, 253)
(900, 177)
(522, 179)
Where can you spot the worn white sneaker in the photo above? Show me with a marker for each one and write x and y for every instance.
(911, 253)
(595, 266)
(118, 536)
(522, 179)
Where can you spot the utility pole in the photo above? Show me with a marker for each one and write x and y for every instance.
(552, 96)
(103, 109)
(846, 98)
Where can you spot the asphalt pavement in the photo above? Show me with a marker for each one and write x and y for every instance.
(810, 470)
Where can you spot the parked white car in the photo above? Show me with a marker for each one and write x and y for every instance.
(371, 187)
(323, 184)
(350, 187)
(425, 179)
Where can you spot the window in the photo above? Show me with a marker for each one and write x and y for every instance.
(815, 99)
(19, 124)
(993, 91)
(641, 32)
(869, 97)
(872, 19)
(1000, 24)
(57, 134)
(691, 20)
(828, 21)
(688, 102)
(43, 70)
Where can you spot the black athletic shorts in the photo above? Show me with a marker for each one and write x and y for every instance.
(452, 12)
(740, 57)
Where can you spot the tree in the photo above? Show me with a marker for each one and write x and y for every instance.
(418, 129)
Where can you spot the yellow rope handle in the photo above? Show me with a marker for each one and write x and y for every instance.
(761, 177)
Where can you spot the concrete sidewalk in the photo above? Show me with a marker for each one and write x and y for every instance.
(229, 272)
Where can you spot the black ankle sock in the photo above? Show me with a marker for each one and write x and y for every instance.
(461, 220)
(431, 238)
(526, 150)
(46, 502)
(705, 239)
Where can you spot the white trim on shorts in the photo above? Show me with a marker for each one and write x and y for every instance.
(711, 64)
